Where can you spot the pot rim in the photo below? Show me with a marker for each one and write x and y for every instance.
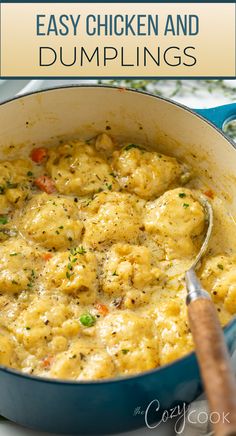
(153, 371)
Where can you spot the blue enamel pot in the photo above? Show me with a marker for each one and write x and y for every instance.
(106, 407)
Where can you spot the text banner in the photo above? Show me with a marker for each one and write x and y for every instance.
(118, 40)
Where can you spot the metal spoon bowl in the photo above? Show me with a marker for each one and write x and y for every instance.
(193, 285)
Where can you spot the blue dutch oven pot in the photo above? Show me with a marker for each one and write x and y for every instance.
(104, 407)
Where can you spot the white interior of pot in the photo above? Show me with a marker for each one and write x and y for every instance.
(64, 113)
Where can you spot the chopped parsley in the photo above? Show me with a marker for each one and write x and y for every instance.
(109, 187)
(68, 275)
(78, 250)
(31, 279)
(81, 250)
(220, 266)
(185, 205)
(72, 259)
(27, 328)
(88, 202)
(3, 220)
(114, 273)
(182, 195)
(87, 320)
(125, 351)
(14, 254)
(29, 174)
(10, 185)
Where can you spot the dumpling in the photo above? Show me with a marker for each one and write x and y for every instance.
(13, 172)
(19, 266)
(131, 340)
(51, 221)
(77, 168)
(174, 336)
(128, 272)
(145, 173)
(82, 362)
(175, 221)
(14, 183)
(6, 350)
(40, 323)
(112, 217)
(73, 272)
(218, 276)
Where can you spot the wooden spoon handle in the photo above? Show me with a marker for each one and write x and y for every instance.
(215, 366)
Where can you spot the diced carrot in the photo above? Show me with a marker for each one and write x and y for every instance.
(39, 154)
(47, 256)
(47, 361)
(45, 183)
(209, 194)
(101, 308)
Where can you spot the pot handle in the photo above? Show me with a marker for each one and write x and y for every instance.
(219, 115)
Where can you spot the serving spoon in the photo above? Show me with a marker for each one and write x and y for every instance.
(212, 354)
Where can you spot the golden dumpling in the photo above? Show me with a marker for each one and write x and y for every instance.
(128, 272)
(175, 220)
(219, 278)
(131, 341)
(51, 221)
(144, 173)
(112, 217)
(19, 266)
(73, 272)
(14, 183)
(77, 168)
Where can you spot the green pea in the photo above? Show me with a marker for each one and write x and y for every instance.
(87, 320)
(3, 220)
